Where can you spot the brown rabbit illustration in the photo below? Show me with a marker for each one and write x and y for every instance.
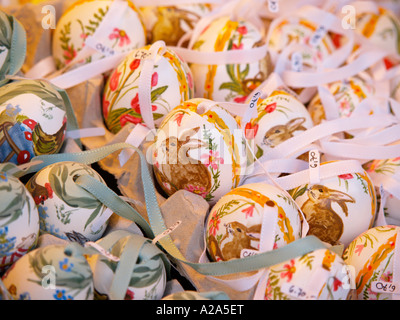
(323, 221)
(179, 170)
(282, 132)
(239, 237)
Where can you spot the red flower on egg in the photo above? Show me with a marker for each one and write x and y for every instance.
(129, 118)
(28, 135)
(154, 79)
(106, 104)
(237, 47)
(240, 99)
(250, 130)
(346, 176)
(337, 284)
(270, 107)
(135, 103)
(242, 30)
(114, 80)
(134, 64)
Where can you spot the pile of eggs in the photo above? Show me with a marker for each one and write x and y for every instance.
(214, 122)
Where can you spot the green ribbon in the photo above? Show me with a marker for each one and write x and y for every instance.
(157, 226)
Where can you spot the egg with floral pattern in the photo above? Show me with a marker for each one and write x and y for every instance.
(235, 223)
(19, 220)
(33, 120)
(52, 272)
(373, 256)
(280, 116)
(66, 210)
(122, 33)
(199, 147)
(347, 94)
(318, 275)
(228, 82)
(171, 84)
(147, 280)
(171, 22)
(338, 208)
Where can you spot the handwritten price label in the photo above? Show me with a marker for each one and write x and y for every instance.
(273, 5)
(297, 61)
(297, 292)
(313, 165)
(384, 287)
(318, 35)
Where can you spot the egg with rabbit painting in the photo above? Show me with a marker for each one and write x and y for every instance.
(339, 208)
(199, 147)
(280, 116)
(235, 222)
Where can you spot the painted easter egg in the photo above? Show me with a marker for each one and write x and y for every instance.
(279, 117)
(301, 31)
(382, 169)
(33, 120)
(317, 275)
(12, 46)
(373, 255)
(171, 84)
(121, 33)
(148, 277)
(199, 147)
(228, 82)
(171, 22)
(347, 94)
(19, 220)
(339, 208)
(235, 222)
(66, 210)
(53, 272)
(195, 295)
(381, 28)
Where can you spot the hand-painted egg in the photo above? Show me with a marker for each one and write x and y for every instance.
(19, 220)
(199, 147)
(65, 208)
(228, 82)
(170, 23)
(338, 209)
(80, 22)
(171, 84)
(54, 272)
(12, 46)
(317, 275)
(347, 94)
(382, 169)
(373, 255)
(33, 120)
(381, 28)
(300, 31)
(147, 280)
(235, 222)
(279, 117)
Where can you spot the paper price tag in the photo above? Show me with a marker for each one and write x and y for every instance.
(101, 250)
(297, 61)
(314, 166)
(318, 35)
(385, 287)
(273, 5)
(166, 232)
(297, 292)
(99, 47)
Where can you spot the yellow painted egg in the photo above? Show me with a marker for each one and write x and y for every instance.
(228, 82)
(199, 147)
(235, 222)
(339, 208)
(372, 256)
